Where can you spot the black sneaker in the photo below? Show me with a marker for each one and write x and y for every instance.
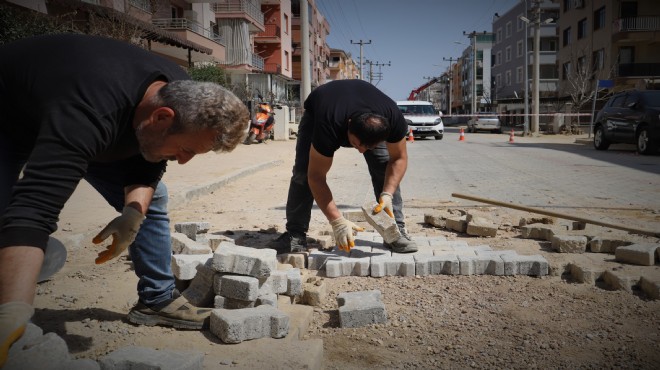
(289, 243)
(404, 244)
(176, 312)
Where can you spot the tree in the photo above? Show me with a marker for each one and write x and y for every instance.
(18, 23)
(209, 73)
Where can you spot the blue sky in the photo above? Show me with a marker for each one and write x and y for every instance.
(413, 35)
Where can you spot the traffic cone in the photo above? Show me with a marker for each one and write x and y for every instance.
(511, 136)
(462, 137)
(411, 137)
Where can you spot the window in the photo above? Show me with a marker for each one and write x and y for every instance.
(566, 70)
(286, 60)
(499, 35)
(498, 79)
(507, 78)
(519, 75)
(599, 59)
(582, 28)
(582, 65)
(617, 101)
(519, 49)
(509, 27)
(567, 5)
(567, 37)
(498, 58)
(520, 23)
(599, 18)
(286, 24)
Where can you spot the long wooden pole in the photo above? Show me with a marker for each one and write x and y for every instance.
(557, 214)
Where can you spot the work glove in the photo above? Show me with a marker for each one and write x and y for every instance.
(343, 231)
(384, 203)
(14, 316)
(123, 230)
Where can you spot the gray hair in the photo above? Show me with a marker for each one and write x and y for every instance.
(206, 105)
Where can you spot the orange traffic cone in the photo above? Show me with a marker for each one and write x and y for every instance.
(411, 137)
(462, 137)
(511, 136)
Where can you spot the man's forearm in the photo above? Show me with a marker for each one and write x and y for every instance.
(138, 197)
(323, 197)
(394, 174)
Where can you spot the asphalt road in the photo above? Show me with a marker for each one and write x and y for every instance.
(547, 171)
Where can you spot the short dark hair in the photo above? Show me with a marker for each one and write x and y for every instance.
(370, 128)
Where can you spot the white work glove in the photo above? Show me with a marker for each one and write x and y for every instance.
(14, 316)
(343, 230)
(123, 230)
(384, 203)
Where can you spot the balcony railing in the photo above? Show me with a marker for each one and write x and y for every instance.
(240, 7)
(637, 24)
(237, 57)
(639, 69)
(142, 5)
(187, 24)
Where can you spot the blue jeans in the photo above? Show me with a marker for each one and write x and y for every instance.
(300, 199)
(152, 250)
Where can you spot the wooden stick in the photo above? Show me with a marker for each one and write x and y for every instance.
(557, 214)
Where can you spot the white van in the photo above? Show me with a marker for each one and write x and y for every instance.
(422, 118)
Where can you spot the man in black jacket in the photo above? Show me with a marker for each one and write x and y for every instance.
(74, 107)
(346, 113)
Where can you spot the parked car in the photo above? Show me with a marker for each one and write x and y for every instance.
(485, 121)
(422, 118)
(630, 117)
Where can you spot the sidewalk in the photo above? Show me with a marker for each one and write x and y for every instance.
(87, 212)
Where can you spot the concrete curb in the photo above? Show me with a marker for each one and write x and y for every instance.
(182, 197)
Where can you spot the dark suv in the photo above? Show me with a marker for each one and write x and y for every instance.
(630, 117)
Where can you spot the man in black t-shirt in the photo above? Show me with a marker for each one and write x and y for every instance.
(346, 113)
(113, 114)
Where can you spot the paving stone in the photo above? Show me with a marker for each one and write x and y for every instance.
(191, 229)
(650, 286)
(362, 308)
(395, 265)
(435, 265)
(47, 351)
(240, 260)
(200, 291)
(481, 265)
(314, 291)
(534, 265)
(601, 244)
(214, 240)
(540, 231)
(244, 288)
(586, 274)
(479, 226)
(347, 266)
(458, 224)
(235, 326)
(382, 222)
(269, 299)
(619, 281)
(316, 259)
(643, 254)
(297, 260)
(184, 266)
(132, 357)
(569, 243)
(294, 282)
(275, 283)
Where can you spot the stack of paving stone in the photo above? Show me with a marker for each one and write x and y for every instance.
(242, 284)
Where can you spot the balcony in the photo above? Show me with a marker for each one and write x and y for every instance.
(272, 68)
(639, 29)
(243, 10)
(194, 32)
(243, 58)
(639, 69)
(272, 34)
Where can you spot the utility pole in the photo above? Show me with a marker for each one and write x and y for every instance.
(361, 43)
(526, 100)
(306, 77)
(378, 64)
(451, 78)
(536, 72)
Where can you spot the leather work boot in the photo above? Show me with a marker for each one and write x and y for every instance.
(175, 312)
(404, 244)
(289, 243)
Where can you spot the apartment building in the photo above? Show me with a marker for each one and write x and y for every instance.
(342, 66)
(513, 58)
(609, 40)
(475, 73)
(319, 51)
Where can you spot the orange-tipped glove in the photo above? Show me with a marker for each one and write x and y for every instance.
(14, 316)
(384, 203)
(123, 230)
(343, 230)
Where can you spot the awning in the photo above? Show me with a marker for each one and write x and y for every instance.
(147, 31)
